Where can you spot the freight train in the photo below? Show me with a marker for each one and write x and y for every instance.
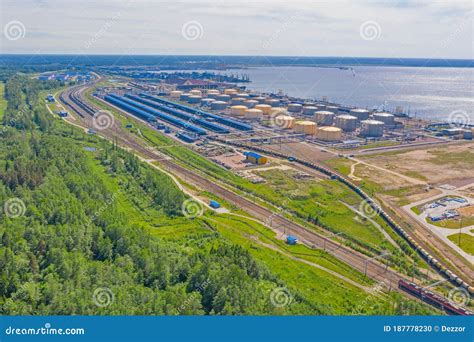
(220, 119)
(134, 106)
(432, 298)
(453, 278)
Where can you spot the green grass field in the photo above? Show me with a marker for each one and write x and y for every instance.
(320, 289)
(452, 223)
(467, 242)
(321, 199)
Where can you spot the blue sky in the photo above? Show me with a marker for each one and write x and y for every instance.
(403, 28)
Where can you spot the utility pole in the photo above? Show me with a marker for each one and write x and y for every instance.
(333, 235)
(382, 255)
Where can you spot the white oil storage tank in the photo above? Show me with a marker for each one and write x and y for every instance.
(309, 110)
(346, 122)
(387, 118)
(294, 107)
(329, 133)
(360, 113)
(207, 101)
(194, 99)
(223, 97)
(250, 103)
(272, 102)
(184, 97)
(175, 94)
(332, 109)
(237, 101)
(371, 128)
(324, 117)
(218, 105)
(196, 92)
(212, 93)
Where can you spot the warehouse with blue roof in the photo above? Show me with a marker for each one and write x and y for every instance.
(255, 158)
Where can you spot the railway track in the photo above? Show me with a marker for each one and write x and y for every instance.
(371, 268)
(430, 259)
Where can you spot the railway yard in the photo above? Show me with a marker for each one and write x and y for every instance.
(354, 183)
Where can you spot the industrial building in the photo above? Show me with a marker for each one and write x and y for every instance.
(255, 158)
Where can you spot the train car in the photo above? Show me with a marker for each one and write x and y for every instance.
(432, 298)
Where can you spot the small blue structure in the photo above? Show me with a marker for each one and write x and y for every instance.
(50, 98)
(187, 137)
(291, 159)
(63, 114)
(291, 240)
(128, 126)
(214, 204)
(90, 131)
(255, 158)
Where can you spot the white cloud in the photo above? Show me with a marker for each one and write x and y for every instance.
(263, 27)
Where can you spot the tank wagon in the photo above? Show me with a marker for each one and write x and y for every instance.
(220, 119)
(199, 121)
(138, 112)
(162, 116)
(453, 278)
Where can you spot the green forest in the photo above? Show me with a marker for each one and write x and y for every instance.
(74, 236)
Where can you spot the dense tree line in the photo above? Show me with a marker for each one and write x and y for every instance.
(72, 238)
(68, 245)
